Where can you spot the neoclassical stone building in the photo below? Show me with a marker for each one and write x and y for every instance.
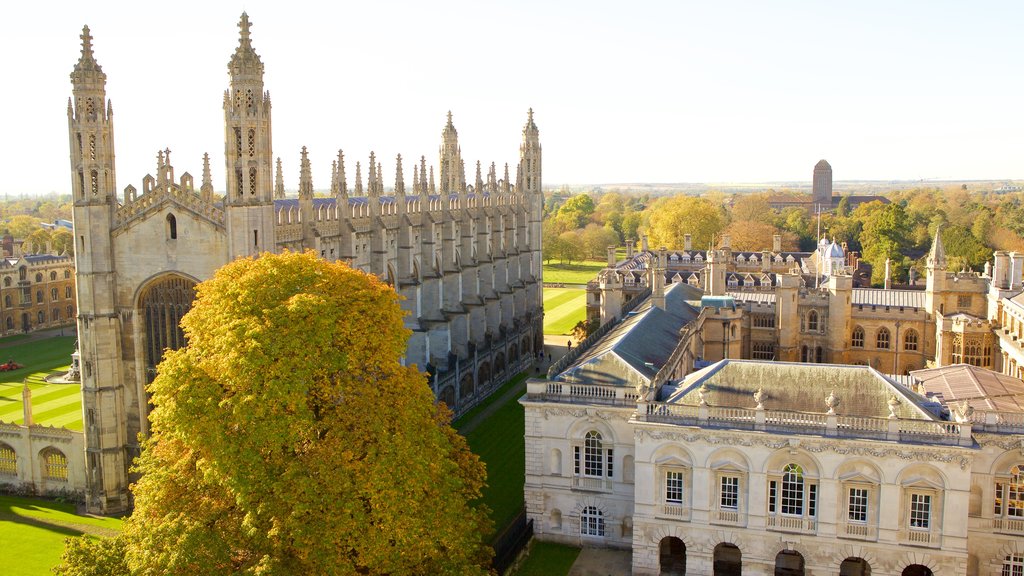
(466, 256)
(759, 467)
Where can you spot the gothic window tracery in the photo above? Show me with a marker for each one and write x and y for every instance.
(252, 143)
(882, 339)
(161, 307)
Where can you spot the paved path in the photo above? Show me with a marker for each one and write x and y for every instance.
(602, 562)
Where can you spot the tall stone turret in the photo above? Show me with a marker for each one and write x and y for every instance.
(306, 201)
(453, 178)
(935, 281)
(91, 134)
(530, 169)
(248, 153)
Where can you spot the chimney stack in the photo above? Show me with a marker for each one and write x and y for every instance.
(611, 256)
(777, 243)
(687, 242)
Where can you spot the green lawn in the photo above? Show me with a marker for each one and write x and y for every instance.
(52, 404)
(563, 309)
(578, 273)
(33, 533)
(498, 441)
(547, 559)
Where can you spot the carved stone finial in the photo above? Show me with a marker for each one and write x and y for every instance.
(759, 397)
(702, 393)
(894, 405)
(832, 401)
(963, 411)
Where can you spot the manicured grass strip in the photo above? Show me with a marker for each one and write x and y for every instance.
(7, 340)
(494, 397)
(563, 309)
(33, 533)
(577, 273)
(548, 559)
(52, 404)
(499, 443)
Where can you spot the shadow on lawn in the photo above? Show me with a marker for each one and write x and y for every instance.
(8, 514)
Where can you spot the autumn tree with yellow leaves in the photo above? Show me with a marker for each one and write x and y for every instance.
(287, 438)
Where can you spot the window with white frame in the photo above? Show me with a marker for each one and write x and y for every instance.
(593, 459)
(920, 511)
(793, 494)
(729, 493)
(1009, 494)
(857, 509)
(592, 521)
(674, 486)
(1013, 565)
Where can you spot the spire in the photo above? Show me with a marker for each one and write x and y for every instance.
(530, 128)
(433, 188)
(279, 181)
(245, 64)
(416, 179)
(423, 175)
(206, 190)
(478, 186)
(399, 180)
(371, 176)
(342, 184)
(492, 179)
(87, 65)
(334, 177)
(937, 255)
(508, 183)
(359, 181)
(305, 177)
(380, 180)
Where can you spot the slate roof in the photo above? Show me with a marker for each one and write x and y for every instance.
(982, 388)
(634, 350)
(880, 297)
(792, 386)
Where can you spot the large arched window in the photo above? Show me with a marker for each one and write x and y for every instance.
(161, 306)
(793, 490)
(8, 461)
(593, 454)
(857, 340)
(592, 521)
(1009, 499)
(55, 464)
(910, 341)
(882, 338)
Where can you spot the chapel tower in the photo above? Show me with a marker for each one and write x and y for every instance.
(453, 174)
(530, 185)
(248, 154)
(91, 134)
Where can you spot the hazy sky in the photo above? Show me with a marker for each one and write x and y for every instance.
(622, 91)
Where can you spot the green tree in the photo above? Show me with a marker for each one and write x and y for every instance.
(885, 236)
(577, 209)
(671, 218)
(22, 225)
(287, 438)
(843, 209)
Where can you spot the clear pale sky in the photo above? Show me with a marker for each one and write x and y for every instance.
(622, 91)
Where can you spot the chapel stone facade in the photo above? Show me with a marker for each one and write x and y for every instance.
(466, 256)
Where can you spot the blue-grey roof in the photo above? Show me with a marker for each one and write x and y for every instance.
(633, 351)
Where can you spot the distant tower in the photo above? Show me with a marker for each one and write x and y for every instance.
(821, 191)
(453, 179)
(248, 153)
(90, 126)
(530, 172)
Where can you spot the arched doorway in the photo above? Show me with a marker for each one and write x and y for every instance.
(855, 567)
(162, 304)
(789, 563)
(917, 570)
(728, 560)
(672, 556)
